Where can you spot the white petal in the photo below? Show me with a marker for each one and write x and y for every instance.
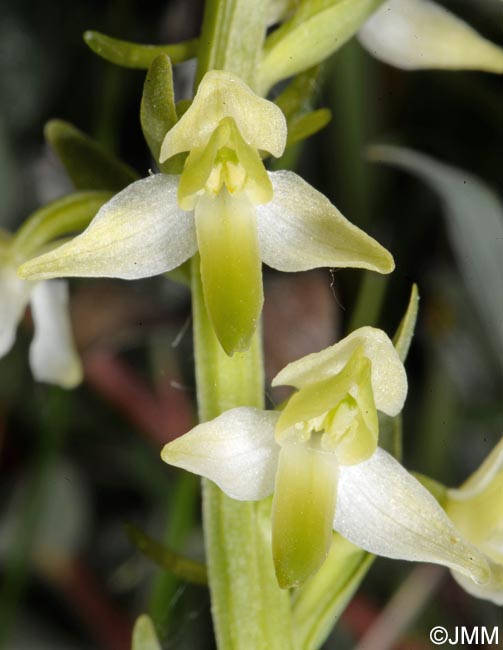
(413, 34)
(492, 591)
(139, 233)
(389, 381)
(300, 229)
(53, 357)
(14, 296)
(236, 450)
(386, 511)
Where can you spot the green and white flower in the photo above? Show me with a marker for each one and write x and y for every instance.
(224, 204)
(476, 508)
(53, 357)
(414, 34)
(319, 456)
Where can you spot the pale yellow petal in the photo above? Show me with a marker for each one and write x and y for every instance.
(221, 94)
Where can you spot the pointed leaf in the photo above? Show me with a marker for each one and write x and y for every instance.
(89, 165)
(413, 34)
(158, 112)
(134, 55)
(231, 269)
(390, 427)
(182, 567)
(304, 126)
(293, 99)
(474, 217)
(300, 229)
(141, 232)
(405, 332)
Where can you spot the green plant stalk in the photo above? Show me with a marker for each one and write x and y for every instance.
(250, 611)
(232, 36)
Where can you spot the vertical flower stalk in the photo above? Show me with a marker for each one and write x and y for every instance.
(249, 609)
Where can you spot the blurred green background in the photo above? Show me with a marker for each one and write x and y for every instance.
(75, 466)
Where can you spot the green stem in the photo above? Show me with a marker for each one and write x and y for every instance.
(232, 36)
(250, 611)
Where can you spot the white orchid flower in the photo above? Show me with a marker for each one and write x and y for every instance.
(53, 357)
(414, 34)
(319, 457)
(476, 508)
(226, 206)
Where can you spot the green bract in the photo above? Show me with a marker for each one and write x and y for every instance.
(135, 55)
(225, 205)
(316, 29)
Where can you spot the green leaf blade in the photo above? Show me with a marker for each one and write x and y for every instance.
(89, 165)
(158, 111)
(307, 125)
(316, 30)
(186, 569)
(134, 55)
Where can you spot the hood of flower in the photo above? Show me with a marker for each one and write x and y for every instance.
(220, 95)
(225, 162)
(336, 415)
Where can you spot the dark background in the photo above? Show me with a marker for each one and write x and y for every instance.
(75, 466)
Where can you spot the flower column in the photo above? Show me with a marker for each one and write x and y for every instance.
(249, 609)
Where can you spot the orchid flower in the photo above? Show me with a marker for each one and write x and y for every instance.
(224, 204)
(476, 508)
(413, 34)
(319, 456)
(53, 357)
